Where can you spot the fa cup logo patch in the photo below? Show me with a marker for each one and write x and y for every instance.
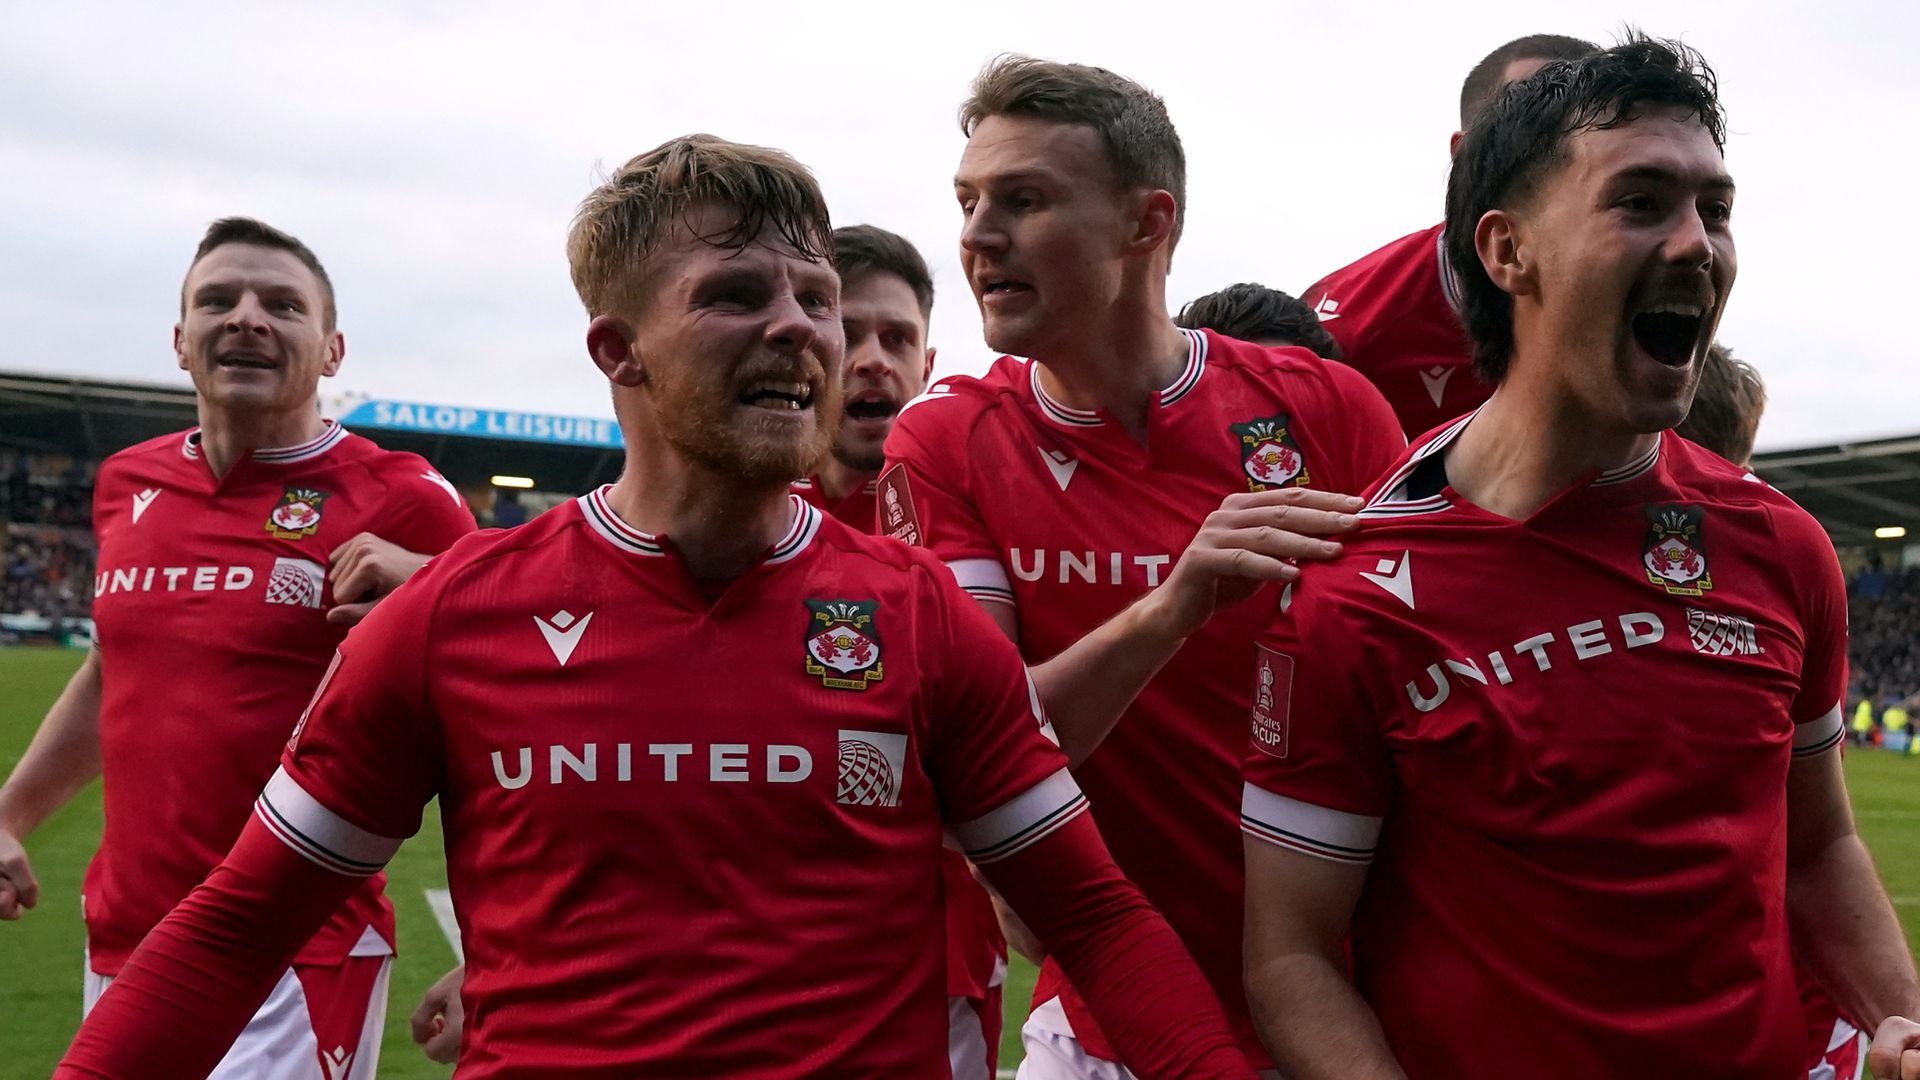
(1675, 557)
(297, 514)
(1269, 455)
(843, 645)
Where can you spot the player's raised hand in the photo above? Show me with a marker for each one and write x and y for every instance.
(437, 1022)
(1895, 1053)
(363, 570)
(18, 889)
(1253, 538)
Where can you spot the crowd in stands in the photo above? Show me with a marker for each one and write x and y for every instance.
(47, 552)
(46, 546)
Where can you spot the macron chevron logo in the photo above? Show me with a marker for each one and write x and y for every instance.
(142, 500)
(1328, 309)
(1060, 465)
(1395, 578)
(563, 633)
(1435, 378)
(339, 1063)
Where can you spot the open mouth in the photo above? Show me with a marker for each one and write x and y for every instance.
(871, 405)
(250, 361)
(1669, 332)
(1003, 287)
(778, 396)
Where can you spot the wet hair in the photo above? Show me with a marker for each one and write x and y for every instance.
(1522, 139)
(1256, 313)
(1483, 82)
(621, 223)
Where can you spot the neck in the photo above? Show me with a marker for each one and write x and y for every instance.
(719, 526)
(837, 479)
(225, 434)
(1523, 448)
(1122, 365)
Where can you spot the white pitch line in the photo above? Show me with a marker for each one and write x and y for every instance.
(441, 901)
(1906, 901)
(1887, 815)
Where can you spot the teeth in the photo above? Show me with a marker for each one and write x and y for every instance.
(1692, 311)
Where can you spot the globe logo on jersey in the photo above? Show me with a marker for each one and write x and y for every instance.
(872, 765)
(297, 514)
(843, 645)
(1269, 455)
(1675, 553)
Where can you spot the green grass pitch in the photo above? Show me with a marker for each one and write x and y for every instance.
(40, 955)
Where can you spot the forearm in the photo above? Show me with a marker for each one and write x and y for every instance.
(1313, 1022)
(1087, 687)
(197, 979)
(62, 758)
(1845, 931)
(1126, 963)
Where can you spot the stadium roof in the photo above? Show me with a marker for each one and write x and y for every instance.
(92, 418)
(1851, 488)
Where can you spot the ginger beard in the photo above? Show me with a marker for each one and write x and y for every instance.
(741, 423)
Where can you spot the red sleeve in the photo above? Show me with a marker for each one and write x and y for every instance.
(1129, 967)
(1370, 432)
(925, 496)
(198, 978)
(1349, 331)
(1822, 589)
(1317, 773)
(1017, 813)
(425, 513)
(368, 748)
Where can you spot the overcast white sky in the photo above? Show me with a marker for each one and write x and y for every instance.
(432, 153)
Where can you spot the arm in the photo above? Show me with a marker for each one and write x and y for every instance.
(199, 976)
(63, 757)
(1134, 973)
(1309, 1015)
(1252, 539)
(1843, 927)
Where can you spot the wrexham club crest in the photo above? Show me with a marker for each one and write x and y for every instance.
(1676, 552)
(297, 514)
(843, 646)
(1269, 455)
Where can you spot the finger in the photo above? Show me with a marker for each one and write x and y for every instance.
(1304, 520)
(352, 547)
(1276, 543)
(1255, 566)
(17, 877)
(1910, 1064)
(1294, 496)
(9, 902)
(426, 1021)
(349, 614)
(444, 1047)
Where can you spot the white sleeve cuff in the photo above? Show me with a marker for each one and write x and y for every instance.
(318, 834)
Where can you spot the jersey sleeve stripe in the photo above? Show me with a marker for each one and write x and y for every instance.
(983, 579)
(317, 833)
(1306, 828)
(1022, 820)
(1818, 736)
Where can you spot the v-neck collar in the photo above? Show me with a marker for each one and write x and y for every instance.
(1182, 385)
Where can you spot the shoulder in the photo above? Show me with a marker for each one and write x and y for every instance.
(504, 551)
(957, 404)
(407, 476)
(160, 450)
(1298, 372)
(1392, 260)
(1698, 475)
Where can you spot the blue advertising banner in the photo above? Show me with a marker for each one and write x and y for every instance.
(483, 423)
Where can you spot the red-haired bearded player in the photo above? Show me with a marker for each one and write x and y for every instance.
(695, 743)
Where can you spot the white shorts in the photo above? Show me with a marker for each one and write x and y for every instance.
(968, 1055)
(1053, 1053)
(1846, 1056)
(286, 1039)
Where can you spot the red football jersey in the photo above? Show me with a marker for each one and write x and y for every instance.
(1562, 743)
(210, 610)
(1395, 315)
(856, 509)
(976, 950)
(1060, 513)
(714, 825)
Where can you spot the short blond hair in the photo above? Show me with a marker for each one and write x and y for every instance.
(620, 224)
